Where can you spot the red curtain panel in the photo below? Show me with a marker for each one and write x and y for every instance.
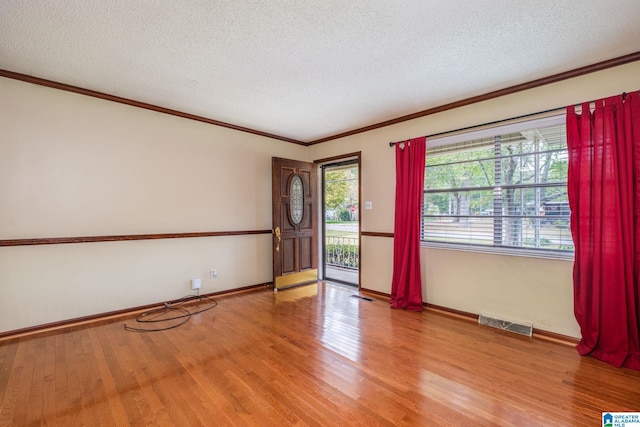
(604, 195)
(406, 286)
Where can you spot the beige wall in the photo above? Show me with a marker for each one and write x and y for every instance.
(72, 165)
(532, 290)
(77, 166)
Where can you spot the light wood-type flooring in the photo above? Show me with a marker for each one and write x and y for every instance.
(314, 355)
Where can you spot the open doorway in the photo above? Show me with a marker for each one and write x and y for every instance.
(341, 221)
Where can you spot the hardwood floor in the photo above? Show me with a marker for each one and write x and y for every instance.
(313, 355)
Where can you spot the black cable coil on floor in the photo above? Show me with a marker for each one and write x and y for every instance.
(158, 315)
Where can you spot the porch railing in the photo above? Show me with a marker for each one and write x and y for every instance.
(342, 252)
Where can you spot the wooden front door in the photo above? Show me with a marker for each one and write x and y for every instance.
(295, 224)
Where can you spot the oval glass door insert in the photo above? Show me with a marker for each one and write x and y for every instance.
(296, 199)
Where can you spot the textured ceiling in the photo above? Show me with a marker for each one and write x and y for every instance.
(309, 69)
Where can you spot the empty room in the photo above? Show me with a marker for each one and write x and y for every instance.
(320, 213)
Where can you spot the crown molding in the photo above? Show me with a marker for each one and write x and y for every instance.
(610, 63)
(131, 102)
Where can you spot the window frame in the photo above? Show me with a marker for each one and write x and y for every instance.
(491, 132)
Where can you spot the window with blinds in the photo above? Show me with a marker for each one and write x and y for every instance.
(502, 189)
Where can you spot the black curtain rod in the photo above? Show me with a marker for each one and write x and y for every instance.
(433, 135)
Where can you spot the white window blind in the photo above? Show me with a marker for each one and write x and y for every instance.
(501, 188)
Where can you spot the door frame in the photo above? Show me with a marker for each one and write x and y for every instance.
(357, 158)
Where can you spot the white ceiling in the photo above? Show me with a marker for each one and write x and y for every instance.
(309, 69)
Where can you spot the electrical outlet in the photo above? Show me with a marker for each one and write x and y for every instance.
(196, 283)
(214, 273)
